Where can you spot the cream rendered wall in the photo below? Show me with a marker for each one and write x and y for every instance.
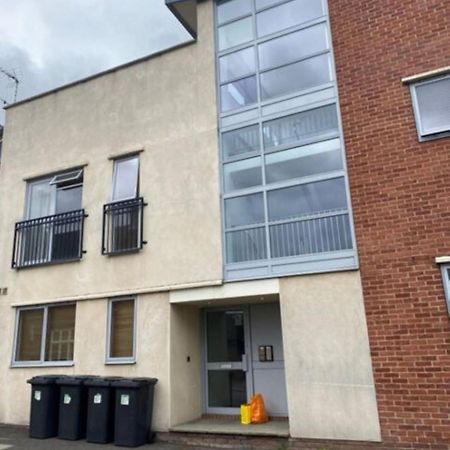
(89, 357)
(166, 105)
(185, 376)
(330, 386)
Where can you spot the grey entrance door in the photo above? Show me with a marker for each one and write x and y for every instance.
(228, 380)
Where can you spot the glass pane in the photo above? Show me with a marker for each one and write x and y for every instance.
(246, 210)
(225, 336)
(288, 15)
(326, 234)
(294, 129)
(265, 3)
(41, 198)
(246, 245)
(126, 175)
(434, 106)
(292, 47)
(296, 77)
(69, 199)
(226, 388)
(242, 174)
(242, 141)
(29, 337)
(122, 329)
(238, 64)
(298, 201)
(232, 9)
(238, 94)
(303, 161)
(235, 33)
(60, 333)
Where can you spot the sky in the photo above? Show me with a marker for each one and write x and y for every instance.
(48, 43)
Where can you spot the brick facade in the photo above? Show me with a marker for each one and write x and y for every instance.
(400, 193)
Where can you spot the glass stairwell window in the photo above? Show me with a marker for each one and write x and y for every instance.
(123, 217)
(286, 202)
(53, 229)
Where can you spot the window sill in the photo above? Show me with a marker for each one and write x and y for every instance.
(118, 362)
(24, 365)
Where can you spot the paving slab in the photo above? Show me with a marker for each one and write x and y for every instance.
(16, 438)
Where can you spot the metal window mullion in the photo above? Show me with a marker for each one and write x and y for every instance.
(44, 334)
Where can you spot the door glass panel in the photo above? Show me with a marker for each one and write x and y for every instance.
(304, 161)
(288, 15)
(238, 94)
(292, 130)
(235, 33)
(239, 142)
(245, 210)
(225, 336)
(243, 174)
(237, 64)
(226, 388)
(296, 77)
(293, 47)
(232, 9)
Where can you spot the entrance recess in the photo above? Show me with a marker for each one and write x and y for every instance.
(244, 355)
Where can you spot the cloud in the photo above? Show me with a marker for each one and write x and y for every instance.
(48, 43)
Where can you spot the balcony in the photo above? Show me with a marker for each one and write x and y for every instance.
(49, 240)
(123, 224)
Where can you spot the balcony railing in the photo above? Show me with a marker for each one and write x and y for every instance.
(47, 240)
(123, 224)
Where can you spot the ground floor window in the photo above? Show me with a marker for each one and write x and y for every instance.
(121, 330)
(45, 334)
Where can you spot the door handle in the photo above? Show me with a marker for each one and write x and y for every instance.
(244, 363)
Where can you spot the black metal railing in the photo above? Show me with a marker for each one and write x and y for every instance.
(50, 239)
(123, 224)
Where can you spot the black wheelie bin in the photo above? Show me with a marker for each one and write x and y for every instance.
(134, 410)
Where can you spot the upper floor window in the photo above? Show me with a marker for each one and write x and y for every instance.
(45, 335)
(123, 217)
(431, 100)
(52, 231)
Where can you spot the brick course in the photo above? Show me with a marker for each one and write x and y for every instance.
(401, 201)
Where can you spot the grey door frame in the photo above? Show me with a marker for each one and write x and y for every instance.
(245, 365)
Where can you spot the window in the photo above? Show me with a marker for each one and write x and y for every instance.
(52, 230)
(122, 218)
(121, 331)
(45, 335)
(431, 101)
(445, 271)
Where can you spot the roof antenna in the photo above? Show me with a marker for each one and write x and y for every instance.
(13, 77)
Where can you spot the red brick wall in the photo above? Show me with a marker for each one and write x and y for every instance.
(401, 201)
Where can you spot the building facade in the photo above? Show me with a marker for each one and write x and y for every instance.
(258, 210)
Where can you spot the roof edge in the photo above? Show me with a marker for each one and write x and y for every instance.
(182, 9)
(99, 74)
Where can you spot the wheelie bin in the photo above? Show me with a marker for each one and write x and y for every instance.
(100, 410)
(44, 406)
(133, 411)
(72, 408)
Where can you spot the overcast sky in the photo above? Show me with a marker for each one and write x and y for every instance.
(47, 43)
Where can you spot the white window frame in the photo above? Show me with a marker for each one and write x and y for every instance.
(446, 282)
(41, 362)
(114, 180)
(109, 360)
(422, 134)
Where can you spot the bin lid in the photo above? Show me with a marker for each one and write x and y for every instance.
(134, 383)
(45, 379)
(75, 380)
(101, 381)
